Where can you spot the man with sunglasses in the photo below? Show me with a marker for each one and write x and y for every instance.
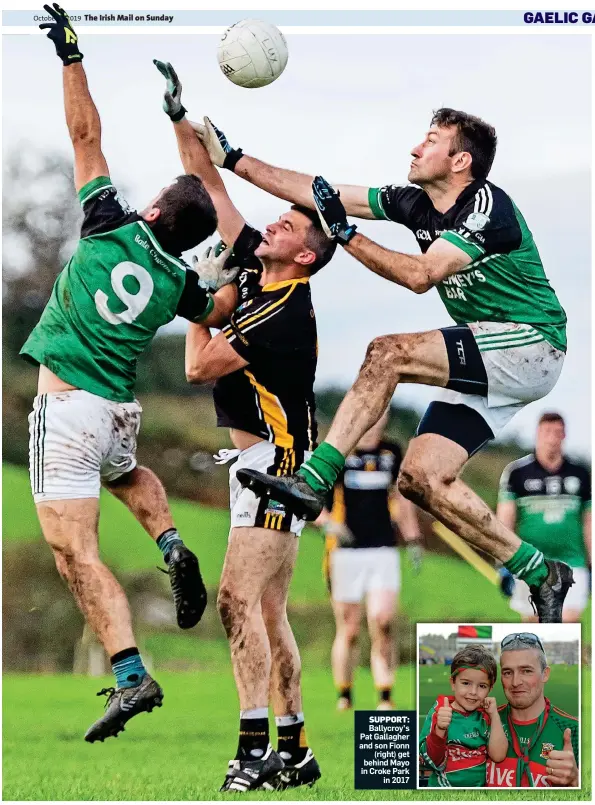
(542, 739)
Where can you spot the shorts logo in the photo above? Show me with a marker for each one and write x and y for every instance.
(461, 353)
(275, 508)
(476, 221)
(545, 750)
(243, 515)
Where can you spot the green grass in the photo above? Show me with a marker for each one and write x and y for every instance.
(125, 546)
(179, 752)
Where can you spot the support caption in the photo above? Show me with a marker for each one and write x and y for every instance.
(385, 753)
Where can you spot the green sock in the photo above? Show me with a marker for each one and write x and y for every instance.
(528, 564)
(322, 469)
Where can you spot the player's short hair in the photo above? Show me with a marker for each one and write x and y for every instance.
(187, 214)
(474, 135)
(551, 416)
(518, 644)
(316, 239)
(475, 656)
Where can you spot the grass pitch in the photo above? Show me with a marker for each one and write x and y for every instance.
(180, 752)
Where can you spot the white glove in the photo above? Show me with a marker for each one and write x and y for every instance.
(215, 142)
(210, 269)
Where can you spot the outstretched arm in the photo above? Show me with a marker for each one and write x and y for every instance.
(419, 273)
(82, 117)
(195, 158)
(84, 127)
(286, 184)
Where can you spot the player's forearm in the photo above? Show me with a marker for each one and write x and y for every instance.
(412, 272)
(407, 521)
(289, 185)
(198, 337)
(195, 158)
(82, 117)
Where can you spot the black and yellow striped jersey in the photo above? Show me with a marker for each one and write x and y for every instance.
(274, 329)
(361, 498)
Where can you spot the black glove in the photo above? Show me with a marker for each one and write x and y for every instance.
(332, 212)
(62, 35)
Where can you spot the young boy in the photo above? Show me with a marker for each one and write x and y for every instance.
(460, 731)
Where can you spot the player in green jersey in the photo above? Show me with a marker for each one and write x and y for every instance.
(506, 350)
(462, 731)
(546, 497)
(543, 741)
(124, 281)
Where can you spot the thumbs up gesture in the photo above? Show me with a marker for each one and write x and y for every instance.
(443, 716)
(561, 764)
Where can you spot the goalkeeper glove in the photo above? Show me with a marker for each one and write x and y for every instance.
(332, 212)
(62, 35)
(212, 271)
(172, 97)
(219, 150)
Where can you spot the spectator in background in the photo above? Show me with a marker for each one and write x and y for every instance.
(362, 562)
(546, 500)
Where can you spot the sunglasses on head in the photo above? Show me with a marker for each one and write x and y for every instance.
(525, 637)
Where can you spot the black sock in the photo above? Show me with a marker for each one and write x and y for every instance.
(385, 694)
(293, 743)
(254, 738)
(345, 693)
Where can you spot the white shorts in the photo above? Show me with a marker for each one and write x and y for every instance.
(76, 440)
(355, 572)
(517, 375)
(577, 598)
(249, 510)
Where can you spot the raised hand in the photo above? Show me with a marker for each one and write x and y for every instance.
(172, 97)
(220, 152)
(331, 212)
(62, 35)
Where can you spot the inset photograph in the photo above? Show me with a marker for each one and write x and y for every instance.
(498, 707)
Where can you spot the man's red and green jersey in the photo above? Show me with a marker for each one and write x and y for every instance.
(529, 746)
(458, 760)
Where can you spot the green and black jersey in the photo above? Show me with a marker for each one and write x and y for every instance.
(118, 288)
(505, 282)
(529, 746)
(274, 329)
(550, 506)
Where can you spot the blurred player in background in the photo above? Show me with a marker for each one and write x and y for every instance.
(362, 560)
(263, 363)
(546, 499)
(124, 281)
(506, 350)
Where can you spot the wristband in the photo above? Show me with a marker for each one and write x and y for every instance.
(345, 235)
(179, 115)
(232, 158)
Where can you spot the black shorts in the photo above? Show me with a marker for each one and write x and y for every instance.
(458, 422)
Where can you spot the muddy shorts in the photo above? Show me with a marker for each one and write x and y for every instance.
(496, 369)
(76, 441)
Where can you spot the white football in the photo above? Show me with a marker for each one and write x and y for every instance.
(252, 53)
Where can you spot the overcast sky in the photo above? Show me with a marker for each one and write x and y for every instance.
(351, 107)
